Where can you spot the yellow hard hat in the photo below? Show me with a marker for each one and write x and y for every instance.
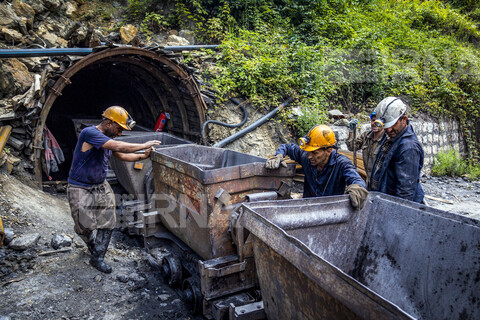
(120, 116)
(320, 136)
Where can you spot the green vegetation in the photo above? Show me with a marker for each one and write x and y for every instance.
(153, 23)
(342, 54)
(450, 163)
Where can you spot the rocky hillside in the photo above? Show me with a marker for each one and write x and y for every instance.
(25, 82)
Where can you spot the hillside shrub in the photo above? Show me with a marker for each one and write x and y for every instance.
(449, 163)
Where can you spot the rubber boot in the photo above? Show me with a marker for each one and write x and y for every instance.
(89, 240)
(101, 245)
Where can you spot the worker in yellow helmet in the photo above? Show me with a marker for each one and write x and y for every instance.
(91, 198)
(327, 172)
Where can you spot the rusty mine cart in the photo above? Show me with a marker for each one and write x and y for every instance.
(240, 248)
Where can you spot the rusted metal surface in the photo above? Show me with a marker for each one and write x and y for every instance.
(251, 311)
(131, 178)
(196, 190)
(226, 275)
(189, 177)
(394, 259)
(149, 61)
(220, 309)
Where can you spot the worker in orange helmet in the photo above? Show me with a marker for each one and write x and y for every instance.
(327, 172)
(91, 199)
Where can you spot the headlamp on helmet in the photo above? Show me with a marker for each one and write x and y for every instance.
(130, 122)
(302, 142)
(320, 136)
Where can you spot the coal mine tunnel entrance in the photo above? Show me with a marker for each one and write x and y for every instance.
(143, 82)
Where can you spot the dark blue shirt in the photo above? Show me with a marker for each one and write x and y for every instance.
(338, 173)
(90, 167)
(401, 166)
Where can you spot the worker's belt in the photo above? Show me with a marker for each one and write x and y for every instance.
(95, 187)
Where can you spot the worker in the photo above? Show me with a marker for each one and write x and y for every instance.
(92, 201)
(327, 172)
(368, 142)
(397, 166)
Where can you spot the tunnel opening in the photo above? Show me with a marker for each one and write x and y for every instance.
(144, 82)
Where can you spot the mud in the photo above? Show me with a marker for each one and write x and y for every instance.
(63, 285)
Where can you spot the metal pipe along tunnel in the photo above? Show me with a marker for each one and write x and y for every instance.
(144, 82)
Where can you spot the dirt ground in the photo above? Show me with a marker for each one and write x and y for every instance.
(63, 285)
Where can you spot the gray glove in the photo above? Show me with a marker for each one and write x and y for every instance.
(358, 195)
(275, 162)
(352, 124)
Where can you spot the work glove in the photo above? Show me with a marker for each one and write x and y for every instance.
(352, 124)
(275, 162)
(358, 195)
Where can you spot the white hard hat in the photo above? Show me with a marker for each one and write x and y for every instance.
(389, 110)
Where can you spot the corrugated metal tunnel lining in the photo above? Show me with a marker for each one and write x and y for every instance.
(143, 82)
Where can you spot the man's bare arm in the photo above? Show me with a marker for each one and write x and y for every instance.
(126, 147)
(133, 156)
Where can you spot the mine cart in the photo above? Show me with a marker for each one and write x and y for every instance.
(137, 179)
(395, 259)
(196, 190)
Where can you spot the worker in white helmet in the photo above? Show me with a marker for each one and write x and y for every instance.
(397, 166)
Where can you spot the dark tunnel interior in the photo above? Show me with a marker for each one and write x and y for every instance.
(144, 94)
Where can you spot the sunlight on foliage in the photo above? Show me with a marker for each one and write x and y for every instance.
(338, 54)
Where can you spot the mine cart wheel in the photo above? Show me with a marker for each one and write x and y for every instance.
(192, 294)
(172, 270)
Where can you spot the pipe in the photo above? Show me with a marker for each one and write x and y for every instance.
(21, 53)
(254, 125)
(190, 48)
(245, 117)
(44, 52)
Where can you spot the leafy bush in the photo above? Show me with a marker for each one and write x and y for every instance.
(268, 67)
(449, 163)
(473, 172)
(153, 23)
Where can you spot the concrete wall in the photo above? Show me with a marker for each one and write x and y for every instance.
(434, 135)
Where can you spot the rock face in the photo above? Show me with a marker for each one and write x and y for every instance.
(25, 82)
(24, 242)
(25, 12)
(127, 33)
(8, 17)
(14, 77)
(174, 40)
(60, 240)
